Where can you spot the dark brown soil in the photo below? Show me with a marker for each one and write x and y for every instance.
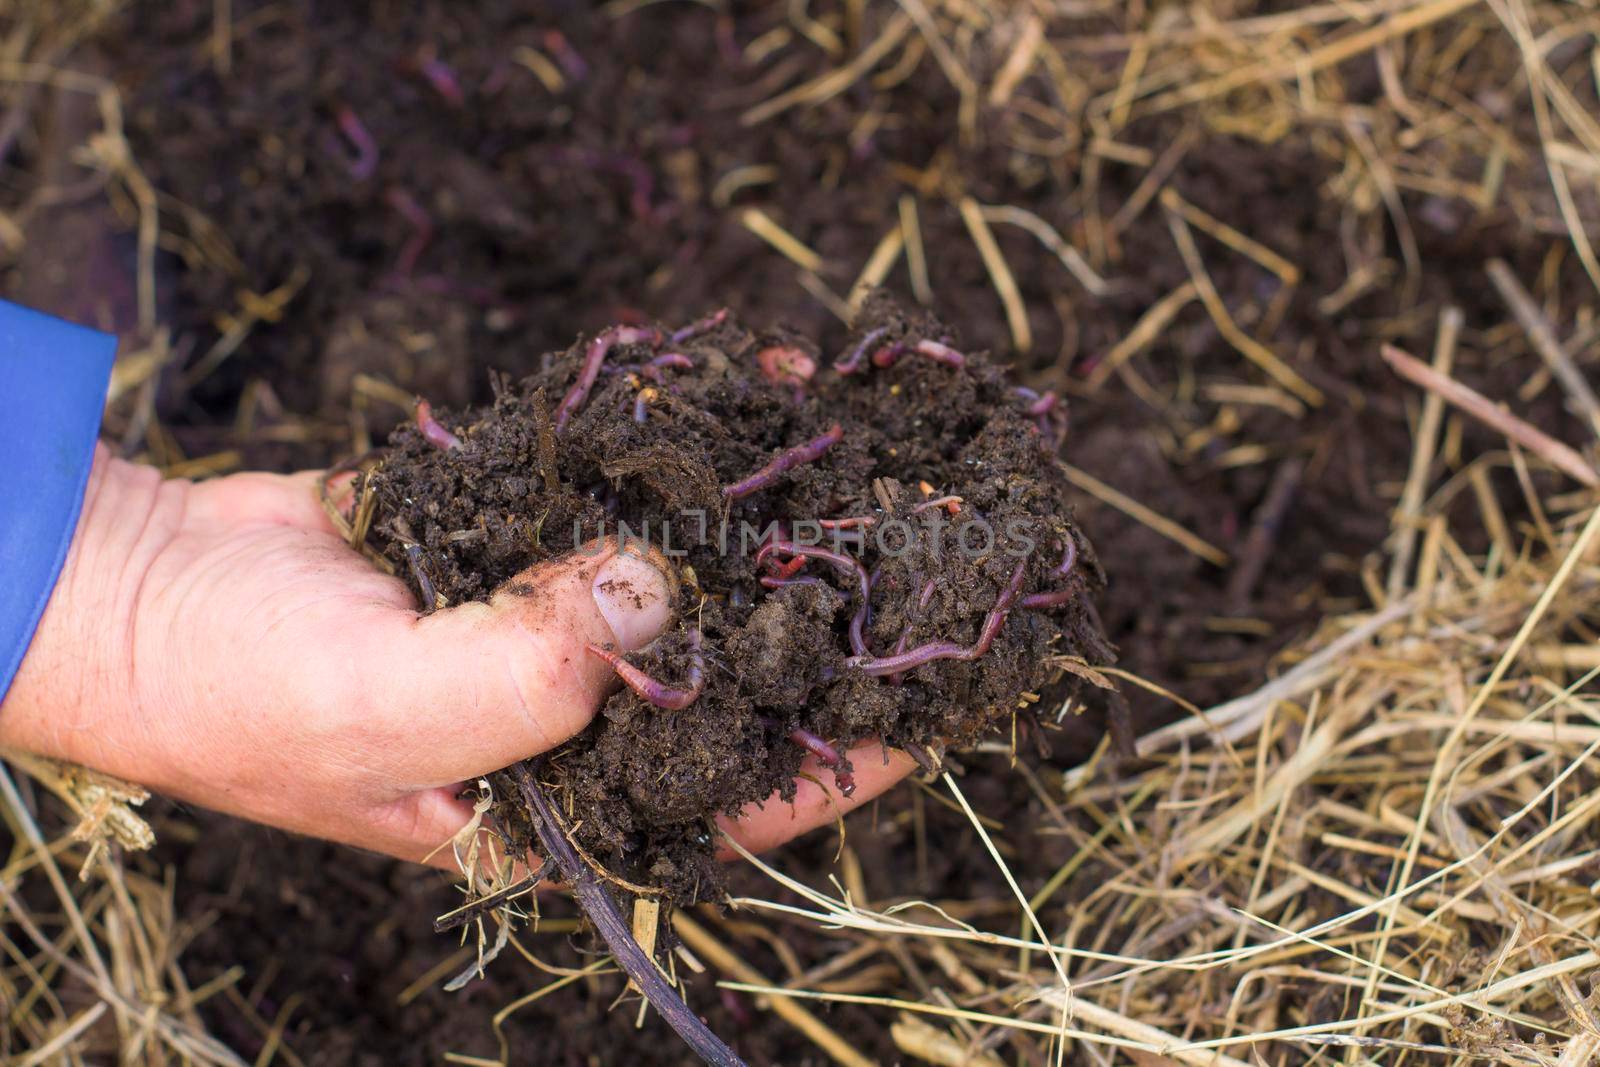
(775, 654)
(563, 212)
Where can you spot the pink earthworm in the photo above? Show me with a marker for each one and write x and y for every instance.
(785, 365)
(934, 350)
(851, 362)
(858, 640)
(923, 600)
(433, 430)
(659, 693)
(826, 755)
(355, 131)
(593, 358)
(700, 326)
(878, 666)
(1058, 597)
(421, 228)
(438, 74)
(786, 460)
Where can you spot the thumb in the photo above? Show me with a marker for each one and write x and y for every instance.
(479, 686)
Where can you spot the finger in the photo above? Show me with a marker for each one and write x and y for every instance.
(764, 826)
(478, 686)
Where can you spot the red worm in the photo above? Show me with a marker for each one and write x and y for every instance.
(878, 666)
(366, 161)
(700, 326)
(433, 430)
(786, 460)
(851, 362)
(439, 75)
(677, 360)
(659, 693)
(785, 365)
(858, 640)
(421, 229)
(934, 350)
(1058, 597)
(923, 600)
(826, 755)
(593, 358)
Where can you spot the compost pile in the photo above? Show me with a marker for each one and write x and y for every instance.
(882, 548)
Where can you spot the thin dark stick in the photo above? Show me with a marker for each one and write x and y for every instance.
(602, 911)
(484, 904)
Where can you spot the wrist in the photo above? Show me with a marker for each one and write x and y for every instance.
(76, 695)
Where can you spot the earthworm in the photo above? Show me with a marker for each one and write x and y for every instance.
(593, 358)
(421, 229)
(826, 755)
(366, 161)
(641, 404)
(700, 326)
(952, 502)
(572, 64)
(444, 80)
(923, 600)
(785, 365)
(788, 570)
(851, 362)
(659, 693)
(858, 641)
(433, 430)
(877, 666)
(1058, 597)
(676, 360)
(776, 582)
(786, 460)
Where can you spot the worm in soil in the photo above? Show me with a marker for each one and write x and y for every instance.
(433, 430)
(858, 641)
(826, 755)
(365, 162)
(1057, 597)
(786, 460)
(593, 357)
(656, 692)
(851, 362)
(878, 666)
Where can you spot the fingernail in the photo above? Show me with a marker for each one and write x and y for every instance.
(635, 599)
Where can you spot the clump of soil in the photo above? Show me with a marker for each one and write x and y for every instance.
(981, 595)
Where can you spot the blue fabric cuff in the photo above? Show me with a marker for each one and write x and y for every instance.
(53, 378)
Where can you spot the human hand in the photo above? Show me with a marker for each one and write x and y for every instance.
(220, 643)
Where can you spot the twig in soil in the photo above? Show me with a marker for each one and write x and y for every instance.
(1045, 601)
(473, 909)
(593, 358)
(858, 641)
(828, 756)
(421, 229)
(1537, 327)
(1558, 455)
(700, 326)
(851, 361)
(365, 163)
(786, 460)
(877, 666)
(425, 589)
(433, 430)
(1264, 528)
(602, 911)
(659, 693)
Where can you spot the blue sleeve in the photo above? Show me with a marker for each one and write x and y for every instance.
(53, 378)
